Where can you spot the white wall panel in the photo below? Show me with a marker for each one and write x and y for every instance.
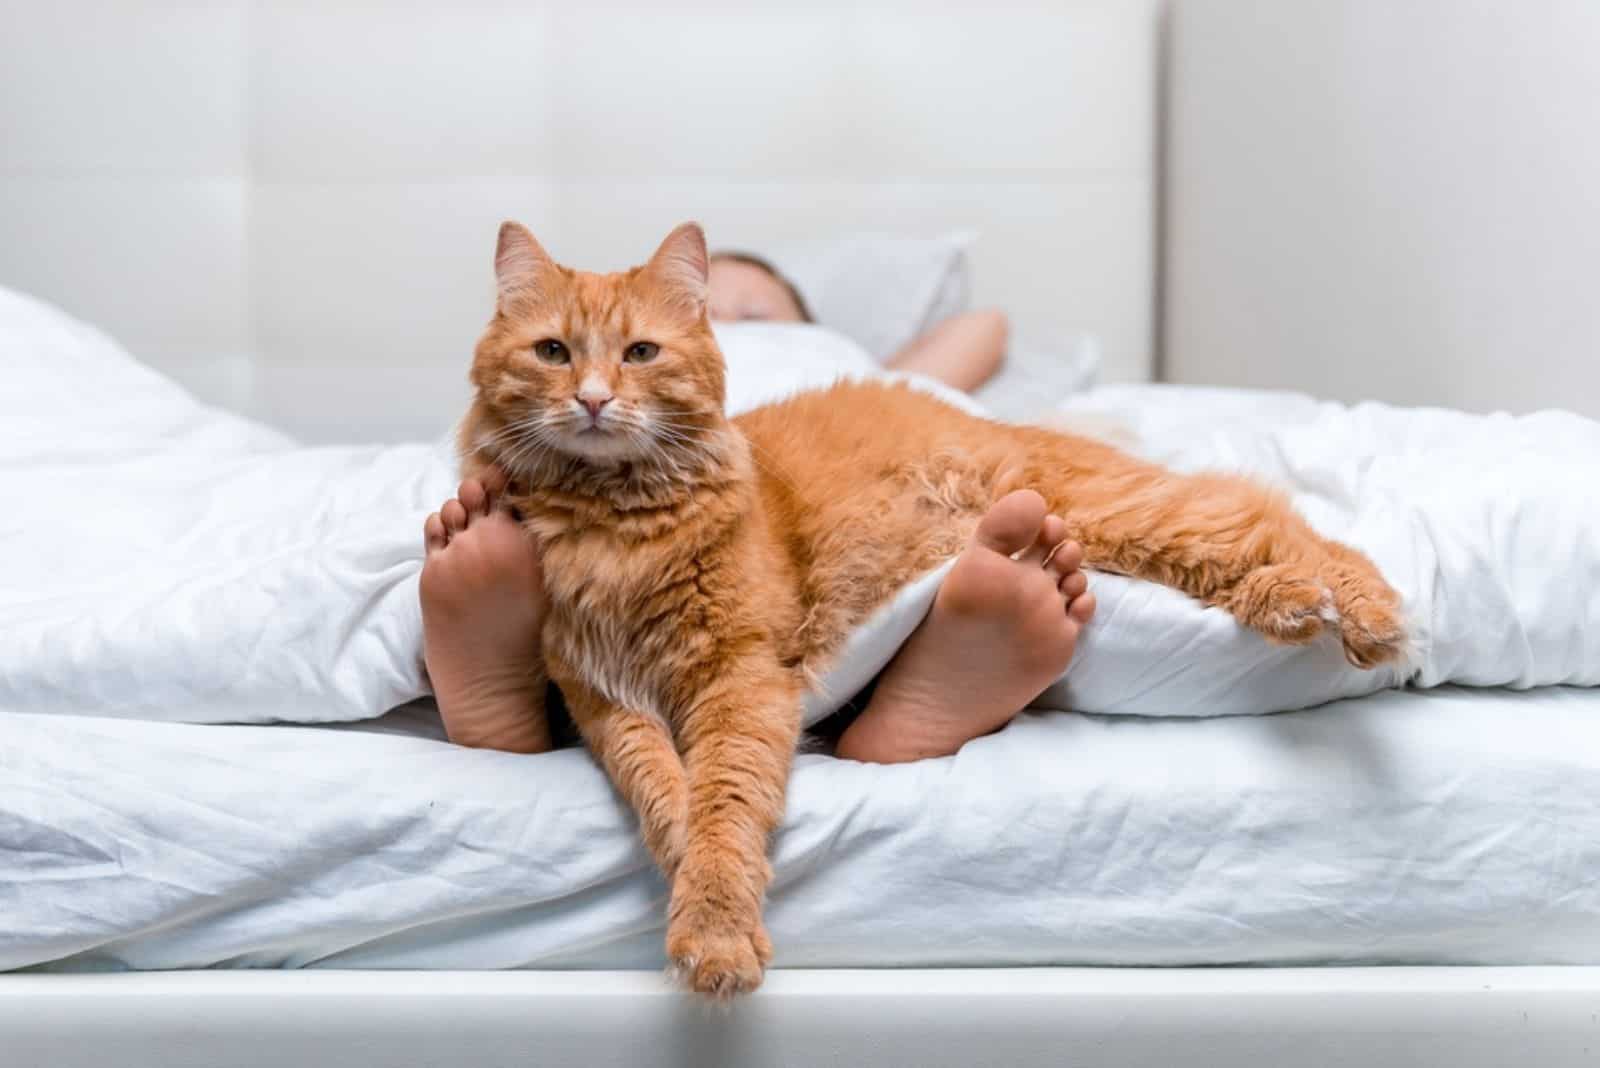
(620, 90)
(1003, 88)
(107, 87)
(333, 173)
(399, 274)
(1386, 200)
(157, 262)
(401, 91)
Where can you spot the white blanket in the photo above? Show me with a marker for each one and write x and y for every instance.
(164, 560)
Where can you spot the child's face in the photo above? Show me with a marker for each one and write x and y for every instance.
(744, 291)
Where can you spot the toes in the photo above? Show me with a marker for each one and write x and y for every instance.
(1081, 609)
(1073, 584)
(474, 497)
(494, 481)
(454, 516)
(1052, 532)
(1065, 558)
(434, 536)
(1012, 523)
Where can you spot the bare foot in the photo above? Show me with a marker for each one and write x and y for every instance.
(483, 605)
(1002, 628)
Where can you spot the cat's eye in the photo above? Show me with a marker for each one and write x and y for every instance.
(641, 352)
(552, 351)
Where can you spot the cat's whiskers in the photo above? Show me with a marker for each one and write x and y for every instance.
(508, 432)
(534, 436)
(676, 446)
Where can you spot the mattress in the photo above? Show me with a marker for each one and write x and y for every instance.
(1447, 826)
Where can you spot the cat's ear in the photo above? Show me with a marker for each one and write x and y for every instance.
(681, 267)
(520, 264)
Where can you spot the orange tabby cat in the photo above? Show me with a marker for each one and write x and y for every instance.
(701, 570)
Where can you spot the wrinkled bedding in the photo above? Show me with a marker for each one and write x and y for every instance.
(171, 562)
(176, 562)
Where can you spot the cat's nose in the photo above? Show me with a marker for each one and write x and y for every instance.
(593, 403)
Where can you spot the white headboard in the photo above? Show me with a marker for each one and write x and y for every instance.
(1370, 199)
(291, 206)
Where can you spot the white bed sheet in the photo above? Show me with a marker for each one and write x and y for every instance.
(1450, 826)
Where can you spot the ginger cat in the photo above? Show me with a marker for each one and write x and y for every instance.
(700, 570)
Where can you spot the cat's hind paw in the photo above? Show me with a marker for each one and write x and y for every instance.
(1291, 604)
(1286, 603)
(1371, 623)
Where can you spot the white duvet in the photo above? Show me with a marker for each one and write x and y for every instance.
(163, 560)
(159, 560)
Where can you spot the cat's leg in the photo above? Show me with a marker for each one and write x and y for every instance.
(1228, 540)
(739, 741)
(637, 752)
(1301, 581)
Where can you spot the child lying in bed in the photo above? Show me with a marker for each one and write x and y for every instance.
(964, 351)
(991, 643)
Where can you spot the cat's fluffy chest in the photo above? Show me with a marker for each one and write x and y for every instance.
(640, 619)
(615, 618)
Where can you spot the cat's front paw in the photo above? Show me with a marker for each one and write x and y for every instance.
(718, 952)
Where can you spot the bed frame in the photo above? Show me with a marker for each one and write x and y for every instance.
(1197, 1017)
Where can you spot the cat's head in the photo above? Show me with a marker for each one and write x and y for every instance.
(607, 368)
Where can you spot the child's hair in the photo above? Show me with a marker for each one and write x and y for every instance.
(777, 276)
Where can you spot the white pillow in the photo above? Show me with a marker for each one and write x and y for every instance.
(769, 361)
(880, 290)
